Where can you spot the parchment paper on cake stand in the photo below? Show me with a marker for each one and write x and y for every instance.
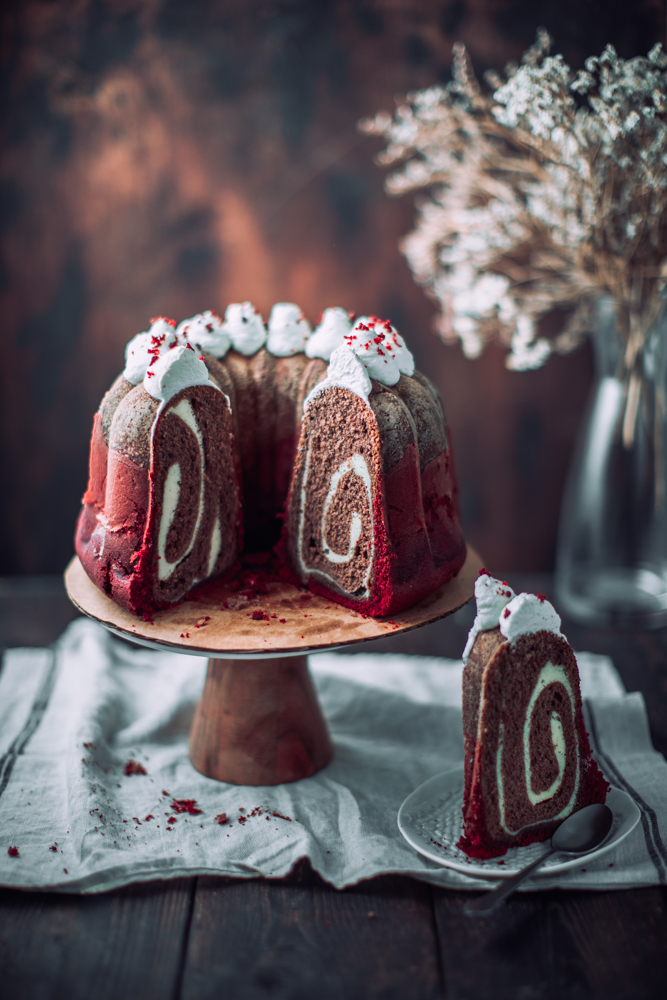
(258, 721)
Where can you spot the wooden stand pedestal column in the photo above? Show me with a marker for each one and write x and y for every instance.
(258, 723)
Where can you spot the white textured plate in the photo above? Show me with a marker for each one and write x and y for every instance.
(430, 819)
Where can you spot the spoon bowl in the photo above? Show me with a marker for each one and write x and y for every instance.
(580, 833)
(584, 830)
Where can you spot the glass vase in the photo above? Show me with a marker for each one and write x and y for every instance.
(611, 566)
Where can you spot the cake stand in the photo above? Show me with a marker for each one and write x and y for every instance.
(258, 721)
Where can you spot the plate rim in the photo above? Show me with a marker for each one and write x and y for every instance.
(631, 813)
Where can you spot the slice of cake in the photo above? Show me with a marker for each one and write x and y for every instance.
(528, 762)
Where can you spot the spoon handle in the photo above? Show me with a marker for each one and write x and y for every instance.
(490, 900)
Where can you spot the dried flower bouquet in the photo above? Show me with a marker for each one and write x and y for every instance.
(546, 191)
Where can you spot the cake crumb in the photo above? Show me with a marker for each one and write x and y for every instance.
(133, 767)
(186, 805)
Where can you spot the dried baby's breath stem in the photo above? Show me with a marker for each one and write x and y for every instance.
(541, 194)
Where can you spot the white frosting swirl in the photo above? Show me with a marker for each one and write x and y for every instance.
(492, 597)
(289, 330)
(528, 613)
(245, 328)
(345, 370)
(178, 369)
(382, 349)
(207, 331)
(329, 334)
(499, 607)
(143, 349)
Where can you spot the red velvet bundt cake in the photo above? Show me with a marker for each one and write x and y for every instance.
(528, 762)
(220, 437)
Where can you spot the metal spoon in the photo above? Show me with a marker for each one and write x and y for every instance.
(580, 833)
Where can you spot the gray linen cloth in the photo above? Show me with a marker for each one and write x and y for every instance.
(73, 715)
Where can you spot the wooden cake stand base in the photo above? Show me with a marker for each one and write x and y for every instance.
(258, 721)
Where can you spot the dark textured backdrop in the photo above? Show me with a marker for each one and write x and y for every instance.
(167, 156)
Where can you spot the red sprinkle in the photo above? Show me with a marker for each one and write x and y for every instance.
(541, 597)
(222, 819)
(282, 620)
(13, 852)
(172, 819)
(506, 613)
(259, 616)
(134, 767)
(53, 848)
(150, 816)
(186, 806)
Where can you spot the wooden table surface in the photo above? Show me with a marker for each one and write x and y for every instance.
(296, 939)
